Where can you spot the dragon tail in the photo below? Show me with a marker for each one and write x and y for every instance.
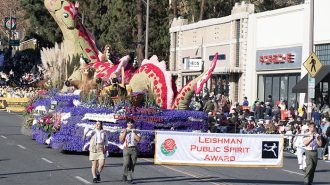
(183, 99)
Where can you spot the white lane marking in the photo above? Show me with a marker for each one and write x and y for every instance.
(22, 147)
(48, 161)
(4, 137)
(188, 173)
(82, 180)
(293, 172)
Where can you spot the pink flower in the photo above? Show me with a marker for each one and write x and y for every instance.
(29, 108)
(42, 92)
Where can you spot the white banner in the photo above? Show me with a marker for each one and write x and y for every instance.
(100, 117)
(212, 149)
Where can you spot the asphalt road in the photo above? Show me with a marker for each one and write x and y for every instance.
(24, 162)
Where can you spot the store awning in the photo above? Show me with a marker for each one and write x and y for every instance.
(227, 70)
(302, 85)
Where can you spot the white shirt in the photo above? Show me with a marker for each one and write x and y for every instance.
(312, 145)
(101, 136)
(129, 139)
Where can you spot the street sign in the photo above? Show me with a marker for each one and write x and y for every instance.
(311, 82)
(313, 65)
(311, 92)
(14, 42)
(10, 23)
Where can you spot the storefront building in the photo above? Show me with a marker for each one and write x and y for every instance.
(193, 47)
(270, 82)
(278, 45)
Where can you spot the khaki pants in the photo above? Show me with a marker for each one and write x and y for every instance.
(130, 158)
(311, 162)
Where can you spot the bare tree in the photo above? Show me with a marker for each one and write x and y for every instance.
(174, 7)
(202, 7)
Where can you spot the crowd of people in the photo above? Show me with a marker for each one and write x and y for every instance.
(17, 92)
(274, 117)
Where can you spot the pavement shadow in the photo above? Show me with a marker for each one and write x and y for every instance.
(4, 160)
(290, 157)
(322, 171)
(172, 179)
(66, 152)
(43, 171)
(245, 181)
(146, 180)
(138, 164)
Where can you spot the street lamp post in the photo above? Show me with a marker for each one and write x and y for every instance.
(311, 46)
(147, 28)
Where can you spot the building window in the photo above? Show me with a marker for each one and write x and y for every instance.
(238, 35)
(220, 84)
(279, 86)
(323, 53)
(186, 79)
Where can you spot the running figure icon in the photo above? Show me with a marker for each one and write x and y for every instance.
(271, 148)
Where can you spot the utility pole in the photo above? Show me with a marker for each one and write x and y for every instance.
(311, 80)
(10, 19)
(147, 29)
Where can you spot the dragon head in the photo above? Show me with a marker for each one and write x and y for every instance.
(64, 12)
(53, 5)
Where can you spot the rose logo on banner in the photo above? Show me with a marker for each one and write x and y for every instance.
(168, 147)
(270, 149)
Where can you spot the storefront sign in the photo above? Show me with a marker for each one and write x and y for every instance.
(277, 58)
(192, 64)
(283, 58)
(234, 150)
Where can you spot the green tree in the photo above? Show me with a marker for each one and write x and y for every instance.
(159, 24)
(42, 25)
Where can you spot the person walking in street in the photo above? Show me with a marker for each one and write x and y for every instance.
(130, 137)
(299, 145)
(97, 150)
(312, 142)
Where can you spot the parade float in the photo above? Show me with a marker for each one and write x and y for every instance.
(110, 90)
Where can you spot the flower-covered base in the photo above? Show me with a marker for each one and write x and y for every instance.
(62, 126)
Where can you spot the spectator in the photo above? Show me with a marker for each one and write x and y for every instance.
(282, 104)
(260, 127)
(270, 100)
(303, 114)
(245, 102)
(250, 125)
(299, 146)
(324, 125)
(268, 111)
(209, 106)
(259, 111)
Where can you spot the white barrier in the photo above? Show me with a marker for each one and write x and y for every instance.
(205, 149)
